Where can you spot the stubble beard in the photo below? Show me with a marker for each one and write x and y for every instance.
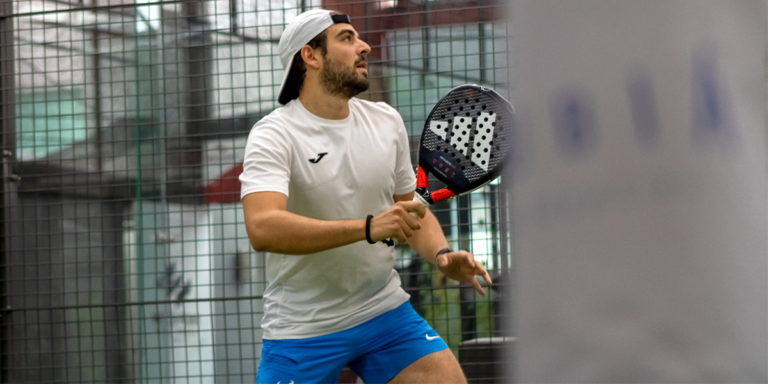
(338, 79)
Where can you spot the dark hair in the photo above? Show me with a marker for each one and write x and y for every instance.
(298, 72)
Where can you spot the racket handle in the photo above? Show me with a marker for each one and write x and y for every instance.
(421, 200)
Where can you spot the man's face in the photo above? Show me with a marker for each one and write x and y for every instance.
(345, 66)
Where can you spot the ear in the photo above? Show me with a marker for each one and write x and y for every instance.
(311, 57)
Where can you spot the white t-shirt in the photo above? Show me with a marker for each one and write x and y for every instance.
(358, 164)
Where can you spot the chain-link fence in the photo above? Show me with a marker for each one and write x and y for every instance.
(124, 253)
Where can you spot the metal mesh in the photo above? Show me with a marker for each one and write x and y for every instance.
(124, 253)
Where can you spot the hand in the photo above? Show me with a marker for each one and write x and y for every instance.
(462, 266)
(397, 222)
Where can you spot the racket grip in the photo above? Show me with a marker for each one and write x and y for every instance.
(416, 197)
(421, 200)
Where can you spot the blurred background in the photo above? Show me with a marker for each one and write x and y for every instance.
(639, 191)
(123, 253)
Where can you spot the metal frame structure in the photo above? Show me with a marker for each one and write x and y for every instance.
(8, 145)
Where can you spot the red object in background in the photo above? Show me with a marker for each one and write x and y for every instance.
(225, 189)
(372, 22)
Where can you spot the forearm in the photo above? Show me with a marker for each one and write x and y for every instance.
(429, 239)
(283, 232)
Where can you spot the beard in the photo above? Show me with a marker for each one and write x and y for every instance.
(339, 79)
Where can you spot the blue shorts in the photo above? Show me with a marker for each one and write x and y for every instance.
(376, 351)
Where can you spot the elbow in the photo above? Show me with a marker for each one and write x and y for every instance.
(257, 238)
(259, 247)
(258, 242)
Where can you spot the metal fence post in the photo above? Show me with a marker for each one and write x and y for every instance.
(9, 179)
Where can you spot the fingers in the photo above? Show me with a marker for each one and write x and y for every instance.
(401, 237)
(477, 286)
(403, 217)
(408, 228)
(397, 222)
(480, 271)
(400, 231)
(458, 258)
(462, 266)
(414, 207)
(411, 221)
(403, 211)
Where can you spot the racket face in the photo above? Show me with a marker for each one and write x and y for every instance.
(467, 138)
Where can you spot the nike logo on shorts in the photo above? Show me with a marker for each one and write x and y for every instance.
(431, 338)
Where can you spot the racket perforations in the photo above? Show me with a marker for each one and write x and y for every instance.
(462, 128)
(484, 135)
(462, 137)
(440, 128)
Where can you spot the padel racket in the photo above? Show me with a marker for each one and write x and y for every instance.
(466, 142)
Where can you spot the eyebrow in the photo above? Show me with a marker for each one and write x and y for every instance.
(346, 31)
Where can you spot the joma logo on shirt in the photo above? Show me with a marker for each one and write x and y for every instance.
(319, 157)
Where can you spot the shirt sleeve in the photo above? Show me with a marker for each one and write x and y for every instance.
(405, 178)
(267, 161)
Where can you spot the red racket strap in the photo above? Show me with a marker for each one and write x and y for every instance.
(442, 194)
(422, 180)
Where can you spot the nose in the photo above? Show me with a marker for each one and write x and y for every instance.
(365, 49)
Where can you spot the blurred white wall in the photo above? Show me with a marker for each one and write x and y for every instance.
(639, 192)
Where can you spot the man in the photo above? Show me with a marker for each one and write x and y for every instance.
(326, 179)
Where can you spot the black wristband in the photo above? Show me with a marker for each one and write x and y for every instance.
(440, 252)
(368, 229)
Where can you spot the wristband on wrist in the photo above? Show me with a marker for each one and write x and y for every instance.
(368, 229)
(442, 251)
(388, 242)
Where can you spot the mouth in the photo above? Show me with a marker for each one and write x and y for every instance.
(362, 64)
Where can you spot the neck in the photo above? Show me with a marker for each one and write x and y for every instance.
(322, 104)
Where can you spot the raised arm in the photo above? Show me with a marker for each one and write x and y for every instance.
(273, 229)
